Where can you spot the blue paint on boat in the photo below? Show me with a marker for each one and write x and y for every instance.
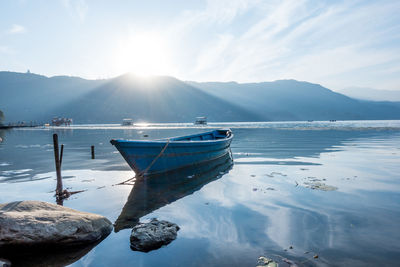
(157, 156)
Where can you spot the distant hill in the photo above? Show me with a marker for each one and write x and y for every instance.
(159, 99)
(26, 97)
(294, 100)
(371, 94)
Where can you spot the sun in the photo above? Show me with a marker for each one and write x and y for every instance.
(143, 54)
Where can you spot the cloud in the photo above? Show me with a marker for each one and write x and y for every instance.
(5, 50)
(15, 29)
(324, 42)
(77, 8)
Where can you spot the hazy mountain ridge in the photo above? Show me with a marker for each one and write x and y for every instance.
(295, 100)
(371, 94)
(27, 96)
(160, 99)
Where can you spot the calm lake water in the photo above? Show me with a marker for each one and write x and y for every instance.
(330, 189)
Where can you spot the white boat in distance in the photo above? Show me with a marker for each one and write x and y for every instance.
(201, 121)
(127, 122)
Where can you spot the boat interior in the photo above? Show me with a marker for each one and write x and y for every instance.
(214, 135)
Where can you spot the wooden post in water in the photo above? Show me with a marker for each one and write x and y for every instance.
(61, 154)
(92, 148)
(59, 188)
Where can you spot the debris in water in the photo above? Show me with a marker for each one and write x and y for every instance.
(313, 179)
(320, 186)
(87, 180)
(68, 177)
(316, 184)
(278, 173)
(315, 256)
(264, 261)
(291, 263)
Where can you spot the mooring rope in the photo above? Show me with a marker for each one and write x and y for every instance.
(148, 167)
(155, 159)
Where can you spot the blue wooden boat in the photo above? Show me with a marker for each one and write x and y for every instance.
(163, 155)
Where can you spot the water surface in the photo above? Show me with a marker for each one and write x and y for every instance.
(330, 189)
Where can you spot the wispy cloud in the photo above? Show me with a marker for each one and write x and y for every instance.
(77, 8)
(322, 42)
(6, 50)
(15, 29)
(335, 43)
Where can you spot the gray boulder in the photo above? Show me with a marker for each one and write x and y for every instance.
(153, 235)
(26, 223)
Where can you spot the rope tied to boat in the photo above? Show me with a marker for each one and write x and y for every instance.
(155, 159)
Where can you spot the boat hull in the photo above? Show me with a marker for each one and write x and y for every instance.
(151, 157)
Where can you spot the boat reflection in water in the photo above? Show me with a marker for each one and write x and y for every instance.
(153, 192)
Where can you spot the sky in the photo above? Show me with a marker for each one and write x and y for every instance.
(337, 44)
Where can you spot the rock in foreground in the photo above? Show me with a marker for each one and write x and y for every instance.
(26, 223)
(153, 235)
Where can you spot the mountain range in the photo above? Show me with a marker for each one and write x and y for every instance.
(371, 94)
(32, 97)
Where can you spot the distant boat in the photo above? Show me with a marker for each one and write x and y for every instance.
(127, 122)
(201, 121)
(157, 156)
(58, 121)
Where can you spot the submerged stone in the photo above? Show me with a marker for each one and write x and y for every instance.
(153, 235)
(320, 186)
(266, 262)
(29, 223)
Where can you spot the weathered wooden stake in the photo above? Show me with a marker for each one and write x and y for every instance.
(92, 147)
(61, 154)
(58, 166)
